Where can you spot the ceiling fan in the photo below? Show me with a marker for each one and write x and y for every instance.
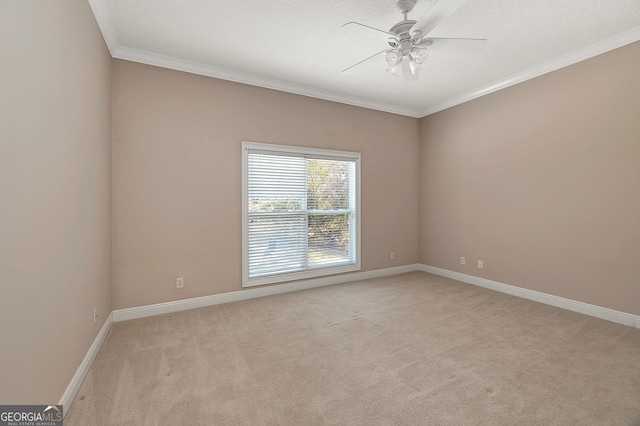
(409, 39)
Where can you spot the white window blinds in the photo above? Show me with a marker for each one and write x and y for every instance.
(301, 213)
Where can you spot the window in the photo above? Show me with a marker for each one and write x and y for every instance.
(301, 213)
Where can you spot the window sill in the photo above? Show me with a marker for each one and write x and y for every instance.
(295, 276)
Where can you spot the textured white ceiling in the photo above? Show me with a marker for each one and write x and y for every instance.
(299, 45)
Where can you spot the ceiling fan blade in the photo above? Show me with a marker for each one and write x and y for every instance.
(368, 30)
(456, 45)
(438, 13)
(354, 67)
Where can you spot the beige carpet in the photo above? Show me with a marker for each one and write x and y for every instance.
(413, 349)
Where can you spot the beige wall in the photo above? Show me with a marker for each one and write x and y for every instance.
(55, 173)
(541, 181)
(177, 177)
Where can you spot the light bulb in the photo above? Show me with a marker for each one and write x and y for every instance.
(393, 57)
(419, 54)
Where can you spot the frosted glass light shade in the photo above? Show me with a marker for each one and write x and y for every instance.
(419, 54)
(393, 57)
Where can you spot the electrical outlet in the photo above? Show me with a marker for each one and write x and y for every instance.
(480, 264)
(392, 255)
(95, 315)
(179, 282)
(462, 261)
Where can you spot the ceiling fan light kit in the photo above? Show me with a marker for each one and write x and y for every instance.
(419, 54)
(408, 38)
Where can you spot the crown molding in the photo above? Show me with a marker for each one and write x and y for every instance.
(103, 18)
(169, 62)
(100, 11)
(579, 55)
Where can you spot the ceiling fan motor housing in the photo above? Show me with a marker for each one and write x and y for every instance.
(404, 42)
(402, 27)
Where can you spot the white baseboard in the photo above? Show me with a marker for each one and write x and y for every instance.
(548, 299)
(236, 296)
(74, 386)
(199, 302)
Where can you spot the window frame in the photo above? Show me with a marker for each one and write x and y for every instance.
(296, 151)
